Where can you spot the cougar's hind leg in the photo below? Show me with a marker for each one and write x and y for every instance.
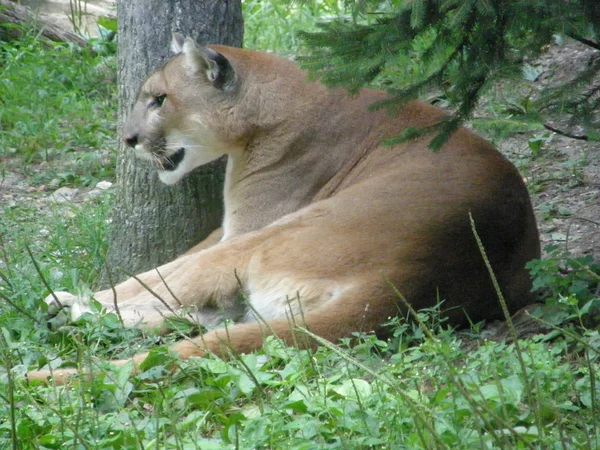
(361, 309)
(354, 310)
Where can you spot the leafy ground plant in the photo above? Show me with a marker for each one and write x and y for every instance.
(571, 287)
(429, 395)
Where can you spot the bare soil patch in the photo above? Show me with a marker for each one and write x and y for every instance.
(564, 179)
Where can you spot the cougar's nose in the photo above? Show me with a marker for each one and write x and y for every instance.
(131, 140)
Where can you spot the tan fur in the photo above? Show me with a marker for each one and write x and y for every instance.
(320, 218)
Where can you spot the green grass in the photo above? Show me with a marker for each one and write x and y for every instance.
(67, 243)
(429, 394)
(58, 102)
(274, 26)
(428, 387)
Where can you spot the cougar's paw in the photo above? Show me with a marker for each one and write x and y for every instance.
(64, 307)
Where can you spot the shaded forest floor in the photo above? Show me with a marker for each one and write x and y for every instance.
(563, 176)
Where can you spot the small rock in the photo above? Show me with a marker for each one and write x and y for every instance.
(95, 193)
(33, 189)
(103, 185)
(68, 214)
(64, 194)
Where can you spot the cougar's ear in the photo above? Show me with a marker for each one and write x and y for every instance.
(177, 43)
(217, 68)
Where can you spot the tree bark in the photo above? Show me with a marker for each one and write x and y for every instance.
(14, 14)
(153, 223)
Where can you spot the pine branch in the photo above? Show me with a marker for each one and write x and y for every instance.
(460, 47)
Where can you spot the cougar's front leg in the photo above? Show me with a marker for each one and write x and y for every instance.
(204, 283)
(152, 278)
(66, 304)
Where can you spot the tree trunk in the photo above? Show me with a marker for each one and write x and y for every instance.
(153, 223)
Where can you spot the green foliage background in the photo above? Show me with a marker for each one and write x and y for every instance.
(457, 48)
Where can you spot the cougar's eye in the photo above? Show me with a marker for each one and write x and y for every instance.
(159, 100)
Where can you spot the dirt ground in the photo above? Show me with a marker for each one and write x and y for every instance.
(564, 179)
(62, 12)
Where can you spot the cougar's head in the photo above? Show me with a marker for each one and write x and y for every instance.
(185, 115)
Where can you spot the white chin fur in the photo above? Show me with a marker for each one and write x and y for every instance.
(170, 177)
(141, 153)
(191, 160)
